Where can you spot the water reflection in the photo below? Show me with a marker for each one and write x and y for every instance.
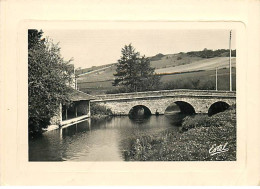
(139, 119)
(94, 140)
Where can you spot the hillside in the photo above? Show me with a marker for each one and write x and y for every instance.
(162, 67)
(172, 60)
(98, 79)
(204, 64)
(169, 60)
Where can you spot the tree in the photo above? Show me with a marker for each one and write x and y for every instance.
(49, 77)
(134, 71)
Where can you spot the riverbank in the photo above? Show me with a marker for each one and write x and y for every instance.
(198, 135)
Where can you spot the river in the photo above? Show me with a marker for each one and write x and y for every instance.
(95, 140)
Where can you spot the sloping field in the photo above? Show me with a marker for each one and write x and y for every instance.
(101, 87)
(106, 73)
(99, 75)
(205, 64)
(172, 68)
(171, 60)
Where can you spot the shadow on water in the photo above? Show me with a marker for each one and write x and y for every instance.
(139, 119)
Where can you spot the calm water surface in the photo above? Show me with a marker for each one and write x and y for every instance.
(94, 140)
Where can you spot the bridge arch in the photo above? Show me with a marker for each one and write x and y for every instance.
(139, 110)
(183, 106)
(217, 107)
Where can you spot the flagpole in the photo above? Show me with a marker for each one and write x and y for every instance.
(230, 66)
(216, 78)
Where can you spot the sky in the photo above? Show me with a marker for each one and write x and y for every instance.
(99, 47)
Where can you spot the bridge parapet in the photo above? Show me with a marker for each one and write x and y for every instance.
(167, 93)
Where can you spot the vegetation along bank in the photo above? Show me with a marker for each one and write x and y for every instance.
(99, 112)
(198, 135)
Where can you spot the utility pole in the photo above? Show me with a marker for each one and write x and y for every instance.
(230, 66)
(75, 79)
(216, 78)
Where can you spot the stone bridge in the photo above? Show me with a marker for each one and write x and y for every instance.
(188, 101)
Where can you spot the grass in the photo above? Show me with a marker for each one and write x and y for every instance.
(202, 132)
(171, 60)
(201, 80)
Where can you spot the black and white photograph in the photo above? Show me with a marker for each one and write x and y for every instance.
(129, 93)
(136, 94)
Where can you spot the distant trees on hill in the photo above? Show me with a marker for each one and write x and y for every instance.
(156, 57)
(207, 53)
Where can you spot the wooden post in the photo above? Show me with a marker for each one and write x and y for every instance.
(60, 115)
(66, 117)
(89, 108)
(230, 66)
(89, 124)
(61, 133)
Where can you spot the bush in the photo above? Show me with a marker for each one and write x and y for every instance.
(37, 124)
(206, 85)
(100, 110)
(188, 84)
(203, 120)
(207, 53)
(117, 90)
(181, 84)
(195, 121)
(195, 83)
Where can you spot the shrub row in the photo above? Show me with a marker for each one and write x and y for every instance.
(100, 110)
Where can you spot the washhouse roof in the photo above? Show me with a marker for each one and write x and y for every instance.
(79, 95)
